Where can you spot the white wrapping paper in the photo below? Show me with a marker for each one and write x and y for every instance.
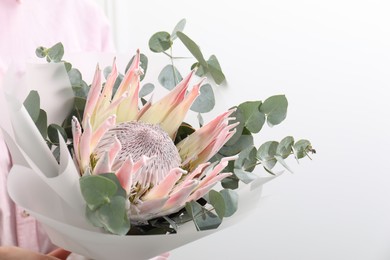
(51, 193)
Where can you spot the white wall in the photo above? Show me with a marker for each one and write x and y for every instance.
(332, 60)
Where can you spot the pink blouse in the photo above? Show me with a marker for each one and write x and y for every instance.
(24, 25)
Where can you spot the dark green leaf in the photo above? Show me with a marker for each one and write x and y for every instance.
(183, 131)
(178, 28)
(217, 201)
(160, 41)
(230, 182)
(193, 48)
(56, 52)
(169, 77)
(243, 142)
(215, 70)
(205, 102)
(275, 108)
(97, 189)
(41, 123)
(231, 201)
(32, 105)
(52, 133)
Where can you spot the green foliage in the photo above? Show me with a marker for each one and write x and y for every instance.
(160, 42)
(205, 102)
(169, 77)
(106, 202)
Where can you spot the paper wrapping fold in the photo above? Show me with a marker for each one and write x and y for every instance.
(50, 192)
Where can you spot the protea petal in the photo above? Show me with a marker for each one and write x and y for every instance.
(179, 198)
(84, 148)
(158, 111)
(151, 207)
(93, 94)
(98, 134)
(174, 119)
(165, 187)
(102, 165)
(106, 95)
(76, 133)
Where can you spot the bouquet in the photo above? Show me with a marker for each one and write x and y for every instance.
(116, 173)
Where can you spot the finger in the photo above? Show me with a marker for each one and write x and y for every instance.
(59, 253)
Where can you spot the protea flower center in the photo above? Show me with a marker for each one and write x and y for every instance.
(139, 139)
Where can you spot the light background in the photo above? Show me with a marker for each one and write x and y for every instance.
(332, 60)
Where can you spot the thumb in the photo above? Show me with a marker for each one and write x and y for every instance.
(59, 253)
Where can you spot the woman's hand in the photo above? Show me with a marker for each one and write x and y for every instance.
(17, 253)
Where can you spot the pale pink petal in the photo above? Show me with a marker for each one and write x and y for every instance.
(124, 174)
(165, 187)
(76, 133)
(179, 198)
(103, 128)
(102, 165)
(106, 96)
(93, 95)
(84, 149)
(152, 206)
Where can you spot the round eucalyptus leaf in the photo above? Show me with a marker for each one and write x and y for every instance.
(230, 183)
(246, 159)
(218, 202)
(254, 118)
(113, 216)
(245, 176)
(301, 148)
(75, 77)
(160, 41)
(275, 108)
(285, 147)
(178, 28)
(146, 90)
(243, 142)
(266, 154)
(231, 201)
(97, 190)
(32, 104)
(56, 52)
(41, 52)
(169, 77)
(205, 102)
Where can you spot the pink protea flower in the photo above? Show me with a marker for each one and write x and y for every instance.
(138, 144)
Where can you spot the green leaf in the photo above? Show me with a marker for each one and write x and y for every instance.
(178, 28)
(160, 41)
(243, 142)
(193, 48)
(41, 52)
(146, 90)
(32, 105)
(231, 201)
(183, 131)
(246, 159)
(275, 108)
(245, 176)
(254, 119)
(285, 147)
(201, 71)
(283, 162)
(68, 66)
(169, 77)
(301, 148)
(41, 123)
(93, 217)
(203, 219)
(266, 154)
(218, 202)
(120, 191)
(52, 133)
(56, 52)
(215, 70)
(113, 216)
(205, 102)
(230, 182)
(97, 189)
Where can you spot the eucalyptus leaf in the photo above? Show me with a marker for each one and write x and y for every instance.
(215, 70)
(231, 201)
(97, 190)
(169, 77)
(160, 41)
(245, 176)
(230, 182)
(193, 48)
(275, 108)
(243, 142)
(178, 28)
(113, 216)
(203, 219)
(201, 71)
(254, 118)
(32, 105)
(285, 147)
(218, 202)
(246, 159)
(41, 123)
(266, 154)
(205, 102)
(146, 90)
(112, 176)
(53, 131)
(301, 148)
(56, 52)
(41, 52)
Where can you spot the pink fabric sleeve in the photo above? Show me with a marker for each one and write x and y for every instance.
(24, 25)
